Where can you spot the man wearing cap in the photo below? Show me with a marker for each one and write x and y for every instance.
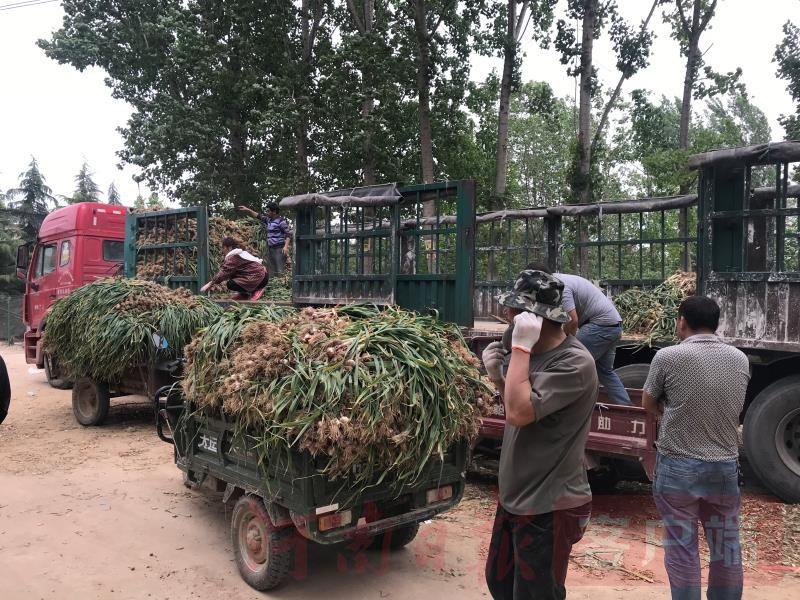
(548, 383)
(600, 328)
(278, 235)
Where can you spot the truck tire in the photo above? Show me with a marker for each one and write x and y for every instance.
(394, 539)
(772, 437)
(264, 554)
(52, 371)
(90, 401)
(5, 391)
(633, 376)
(603, 480)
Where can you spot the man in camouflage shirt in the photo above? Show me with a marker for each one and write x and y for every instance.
(548, 383)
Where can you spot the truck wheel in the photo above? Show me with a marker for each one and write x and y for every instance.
(394, 539)
(603, 480)
(264, 554)
(772, 437)
(90, 401)
(5, 391)
(52, 371)
(633, 376)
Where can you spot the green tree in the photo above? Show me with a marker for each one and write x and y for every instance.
(649, 140)
(689, 20)
(632, 47)
(30, 200)
(787, 56)
(213, 88)
(541, 133)
(139, 204)
(86, 189)
(113, 195)
(514, 19)
(153, 202)
(438, 34)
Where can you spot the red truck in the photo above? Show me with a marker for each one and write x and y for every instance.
(76, 244)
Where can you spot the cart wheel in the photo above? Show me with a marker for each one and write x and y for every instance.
(264, 554)
(394, 539)
(54, 375)
(90, 401)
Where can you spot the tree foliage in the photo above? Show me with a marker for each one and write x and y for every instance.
(112, 197)
(787, 56)
(31, 200)
(86, 189)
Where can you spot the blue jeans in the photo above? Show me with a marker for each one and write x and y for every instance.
(687, 490)
(601, 342)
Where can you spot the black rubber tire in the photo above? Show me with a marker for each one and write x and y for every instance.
(395, 539)
(251, 521)
(90, 401)
(5, 391)
(762, 439)
(54, 376)
(633, 376)
(603, 480)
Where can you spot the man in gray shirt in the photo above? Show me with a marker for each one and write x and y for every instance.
(698, 388)
(595, 321)
(548, 383)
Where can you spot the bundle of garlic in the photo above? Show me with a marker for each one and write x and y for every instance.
(369, 392)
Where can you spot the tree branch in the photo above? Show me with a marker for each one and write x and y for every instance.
(687, 29)
(615, 95)
(709, 14)
(520, 20)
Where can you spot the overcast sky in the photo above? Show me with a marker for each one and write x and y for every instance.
(62, 116)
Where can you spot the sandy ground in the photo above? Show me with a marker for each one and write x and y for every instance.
(102, 513)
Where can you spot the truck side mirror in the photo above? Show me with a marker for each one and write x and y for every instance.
(23, 260)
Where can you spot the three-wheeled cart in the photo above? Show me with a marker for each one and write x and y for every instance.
(276, 500)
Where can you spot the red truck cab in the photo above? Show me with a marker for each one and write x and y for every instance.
(76, 244)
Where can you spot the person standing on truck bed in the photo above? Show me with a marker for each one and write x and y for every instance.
(699, 387)
(548, 384)
(245, 273)
(597, 324)
(278, 235)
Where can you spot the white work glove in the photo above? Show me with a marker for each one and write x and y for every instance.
(527, 329)
(492, 358)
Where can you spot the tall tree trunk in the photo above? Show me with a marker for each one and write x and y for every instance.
(509, 58)
(310, 16)
(585, 107)
(425, 136)
(364, 21)
(424, 90)
(690, 77)
(688, 89)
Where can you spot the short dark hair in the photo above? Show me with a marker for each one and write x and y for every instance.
(230, 242)
(273, 206)
(700, 313)
(539, 266)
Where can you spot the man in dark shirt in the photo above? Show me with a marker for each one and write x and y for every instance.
(278, 236)
(548, 383)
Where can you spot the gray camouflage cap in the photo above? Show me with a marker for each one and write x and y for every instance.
(539, 293)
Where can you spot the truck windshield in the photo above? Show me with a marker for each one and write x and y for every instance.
(113, 251)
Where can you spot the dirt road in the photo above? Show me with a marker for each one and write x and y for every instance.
(102, 513)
